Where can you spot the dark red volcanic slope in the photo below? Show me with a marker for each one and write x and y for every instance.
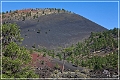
(37, 59)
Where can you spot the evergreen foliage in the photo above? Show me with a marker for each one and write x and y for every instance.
(87, 53)
(15, 59)
(10, 33)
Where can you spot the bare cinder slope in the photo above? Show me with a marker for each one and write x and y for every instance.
(55, 30)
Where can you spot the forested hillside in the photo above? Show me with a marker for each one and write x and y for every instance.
(98, 52)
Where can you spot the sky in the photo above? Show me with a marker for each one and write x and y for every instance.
(102, 13)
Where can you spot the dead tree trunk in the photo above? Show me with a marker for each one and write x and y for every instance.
(63, 63)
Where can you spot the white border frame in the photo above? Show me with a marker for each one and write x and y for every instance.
(60, 78)
(1, 41)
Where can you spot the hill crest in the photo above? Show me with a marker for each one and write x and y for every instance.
(26, 14)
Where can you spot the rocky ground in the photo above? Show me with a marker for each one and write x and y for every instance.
(45, 66)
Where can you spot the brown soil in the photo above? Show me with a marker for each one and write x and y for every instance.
(43, 66)
(38, 58)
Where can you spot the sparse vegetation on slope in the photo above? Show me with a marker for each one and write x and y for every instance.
(56, 30)
(95, 53)
(27, 14)
(98, 52)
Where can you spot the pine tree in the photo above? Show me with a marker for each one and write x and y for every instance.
(15, 59)
(10, 33)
